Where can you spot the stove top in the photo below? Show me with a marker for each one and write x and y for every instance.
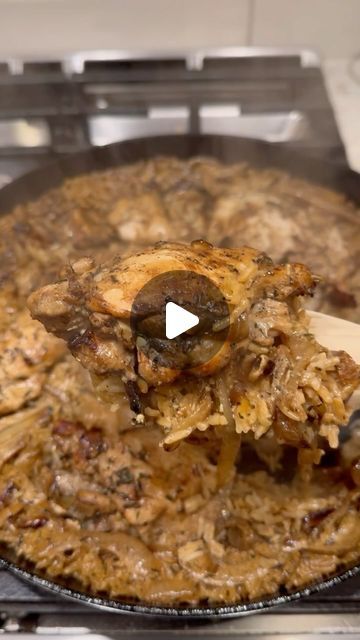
(48, 108)
(53, 107)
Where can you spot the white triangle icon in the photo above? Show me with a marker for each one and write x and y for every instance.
(178, 320)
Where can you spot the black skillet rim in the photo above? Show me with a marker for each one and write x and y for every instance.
(206, 612)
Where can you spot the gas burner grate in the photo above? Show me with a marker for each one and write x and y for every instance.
(55, 107)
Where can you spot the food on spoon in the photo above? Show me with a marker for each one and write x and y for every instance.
(271, 377)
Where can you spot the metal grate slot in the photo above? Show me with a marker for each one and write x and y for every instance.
(158, 120)
(43, 67)
(148, 66)
(271, 127)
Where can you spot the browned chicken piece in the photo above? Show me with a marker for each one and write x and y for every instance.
(140, 217)
(269, 377)
(92, 308)
(27, 351)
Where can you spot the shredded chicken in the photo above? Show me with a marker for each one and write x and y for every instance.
(26, 353)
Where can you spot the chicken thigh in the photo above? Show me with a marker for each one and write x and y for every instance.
(269, 376)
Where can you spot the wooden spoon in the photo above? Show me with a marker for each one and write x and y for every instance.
(337, 335)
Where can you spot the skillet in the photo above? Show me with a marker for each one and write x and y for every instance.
(227, 149)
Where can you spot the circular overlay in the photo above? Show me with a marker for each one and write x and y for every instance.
(193, 293)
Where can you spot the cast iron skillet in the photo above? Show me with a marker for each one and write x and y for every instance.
(227, 149)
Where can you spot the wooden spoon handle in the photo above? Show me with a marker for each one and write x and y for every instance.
(337, 335)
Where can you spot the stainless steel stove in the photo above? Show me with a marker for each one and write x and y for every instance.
(48, 108)
(53, 107)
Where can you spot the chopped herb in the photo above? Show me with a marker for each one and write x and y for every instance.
(125, 476)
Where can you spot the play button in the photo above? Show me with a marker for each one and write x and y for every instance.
(178, 320)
